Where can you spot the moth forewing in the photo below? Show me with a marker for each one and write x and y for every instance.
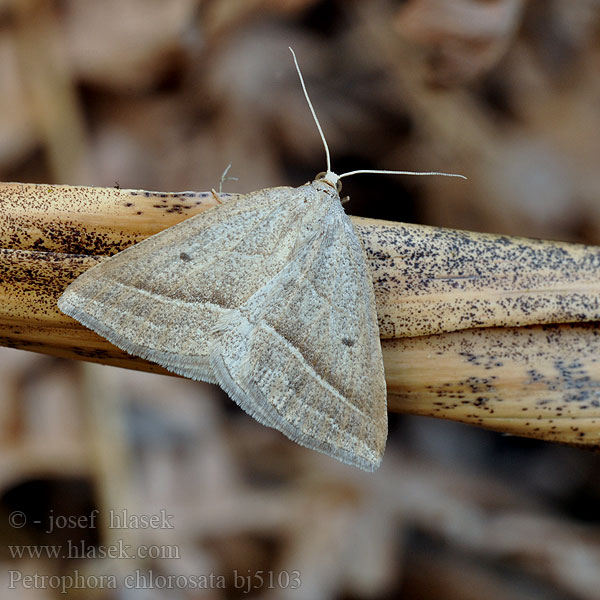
(269, 296)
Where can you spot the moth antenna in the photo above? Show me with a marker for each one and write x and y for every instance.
(378, 171)
(375, 171)
(312, 110)
(224, 178)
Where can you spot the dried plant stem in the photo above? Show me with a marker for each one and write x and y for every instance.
(474, 327)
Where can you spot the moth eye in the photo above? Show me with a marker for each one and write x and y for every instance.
(338, 186)
(320, 175)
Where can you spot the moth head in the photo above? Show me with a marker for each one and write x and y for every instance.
(331, 179)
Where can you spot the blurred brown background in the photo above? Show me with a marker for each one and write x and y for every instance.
(163, 95)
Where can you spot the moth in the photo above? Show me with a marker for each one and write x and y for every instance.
(270, 297)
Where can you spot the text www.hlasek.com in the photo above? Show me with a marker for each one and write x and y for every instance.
(80, 550)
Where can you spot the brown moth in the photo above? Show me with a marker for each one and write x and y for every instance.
(269, 296)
